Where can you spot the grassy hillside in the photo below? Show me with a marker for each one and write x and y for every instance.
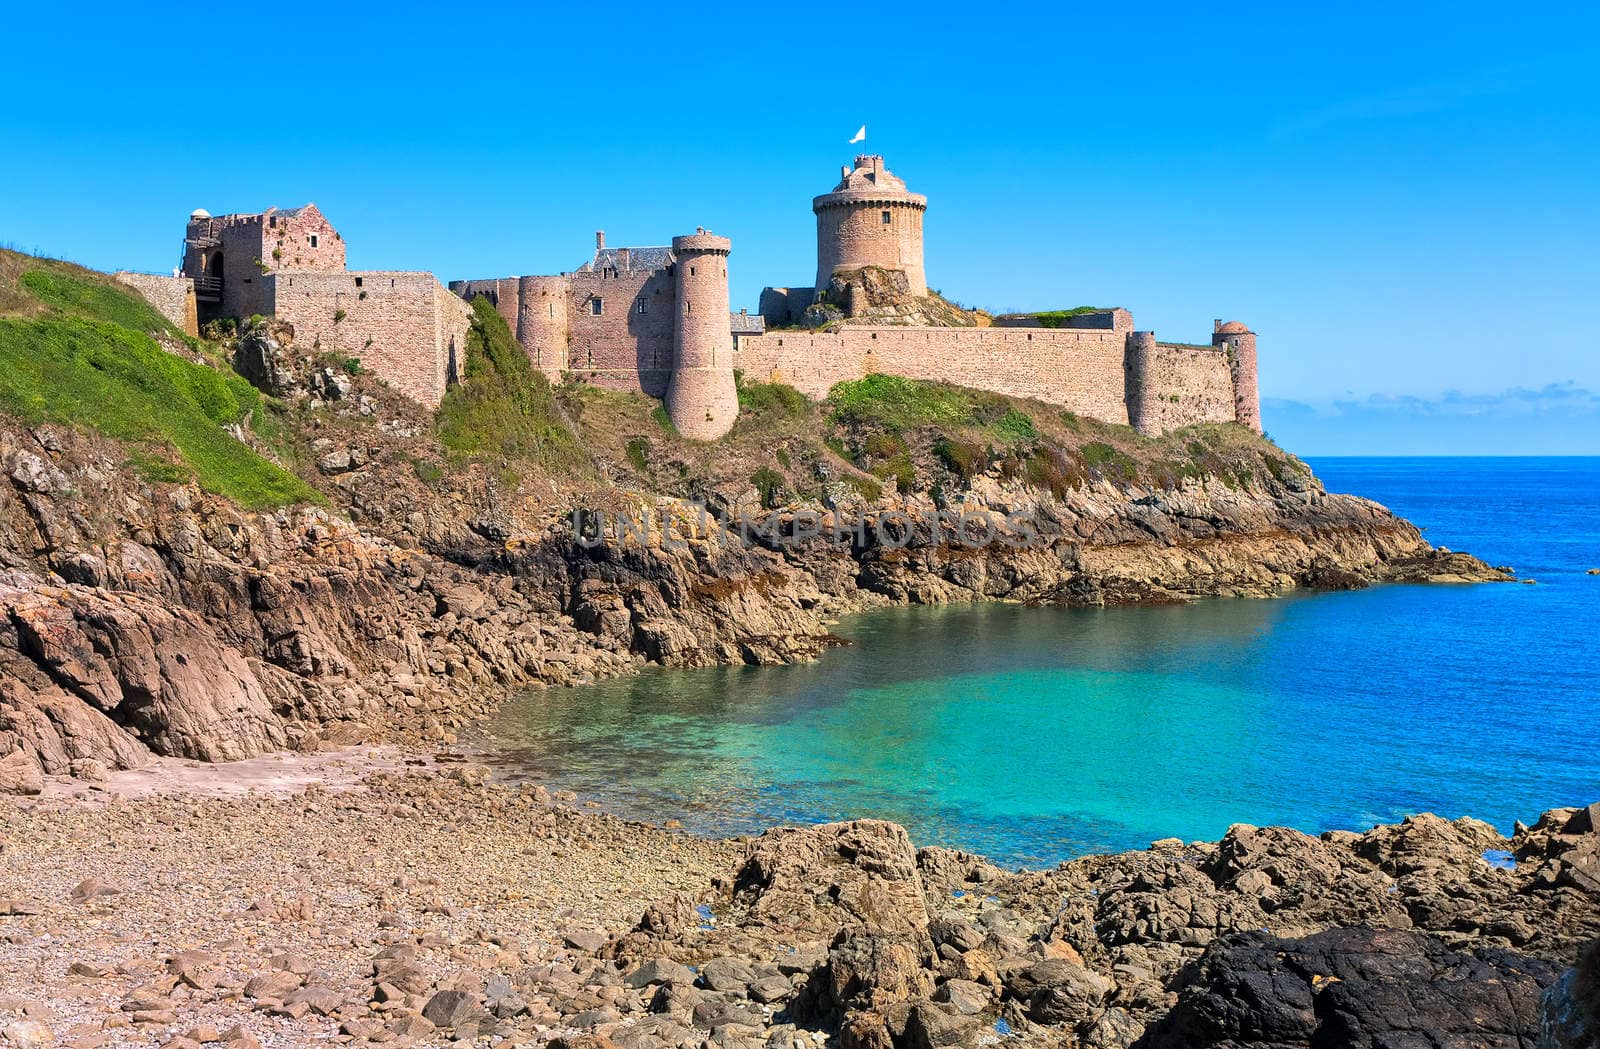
(79, 349)
(504, 414)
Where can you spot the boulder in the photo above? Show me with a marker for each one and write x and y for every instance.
(817, 879)
(20, 774)
(1570, 1010)
(1354, 989)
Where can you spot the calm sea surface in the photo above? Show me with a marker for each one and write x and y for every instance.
(1035, 735)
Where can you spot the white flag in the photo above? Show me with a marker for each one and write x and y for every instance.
(860, 135)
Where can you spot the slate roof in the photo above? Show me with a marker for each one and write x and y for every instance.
(652, 258)
(748, 324)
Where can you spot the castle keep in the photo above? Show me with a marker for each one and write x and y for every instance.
(656, 320)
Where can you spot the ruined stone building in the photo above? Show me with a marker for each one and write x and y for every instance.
(404, 327)
(656, 320)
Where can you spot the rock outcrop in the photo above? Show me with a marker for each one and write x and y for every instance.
(1404, 935)
(152, 618)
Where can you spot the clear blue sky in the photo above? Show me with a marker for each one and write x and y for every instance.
(1403, 203)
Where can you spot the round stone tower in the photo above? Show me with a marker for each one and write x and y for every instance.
(701, 398)
(1239, 342)
(870, 219)
(542, 322)
(1143, 410)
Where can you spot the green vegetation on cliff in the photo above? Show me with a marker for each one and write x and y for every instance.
(77, 349)
(503, 413)
(1059, 318)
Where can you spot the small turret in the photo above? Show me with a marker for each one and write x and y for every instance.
(701, 397)
(1239, 342)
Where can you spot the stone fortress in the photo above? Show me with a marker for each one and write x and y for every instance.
(656, 320)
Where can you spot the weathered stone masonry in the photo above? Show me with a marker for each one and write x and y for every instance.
(172, 297)
(656, 320)
(404, 327)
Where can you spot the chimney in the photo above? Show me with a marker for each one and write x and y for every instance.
(877, 165)
(844, 172)
(599, 240)
(1216, 325)
(624, 261)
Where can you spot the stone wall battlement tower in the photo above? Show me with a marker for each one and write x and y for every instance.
(870, 219)
(1236, 340)
(701, 397)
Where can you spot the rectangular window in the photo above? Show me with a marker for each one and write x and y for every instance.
(642, 307)
(597, 306)
(885, 218)
(358, 282)
(314, 236)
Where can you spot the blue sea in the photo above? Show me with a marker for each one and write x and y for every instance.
(1034, 735)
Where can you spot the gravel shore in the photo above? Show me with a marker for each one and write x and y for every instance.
(247, 870)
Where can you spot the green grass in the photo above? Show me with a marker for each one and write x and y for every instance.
(503, 414)
(894, 403)
(1059, 318)
(76, 296)
(104, 376)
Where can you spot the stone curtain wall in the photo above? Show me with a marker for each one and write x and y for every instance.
(405, 328)
(172, 297)
(1079, 370)
(504, 294)
(1181, 385)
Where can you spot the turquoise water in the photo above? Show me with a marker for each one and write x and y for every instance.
(1034, 735)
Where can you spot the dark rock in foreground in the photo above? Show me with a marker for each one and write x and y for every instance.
(1403, 936)
(1354, 989)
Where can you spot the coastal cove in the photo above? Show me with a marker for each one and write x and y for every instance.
(1033, 735)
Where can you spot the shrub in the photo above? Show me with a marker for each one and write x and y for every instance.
(1016, 426)
(773, 399)
(219, 329)
(892, 402)
(1050, 469)
(769, 483)
(883, 446)
(427, 471)
(964, 458)
(339, 315)
(637, 450)
(865, 487)
(1108, 461)
(1058, 318)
